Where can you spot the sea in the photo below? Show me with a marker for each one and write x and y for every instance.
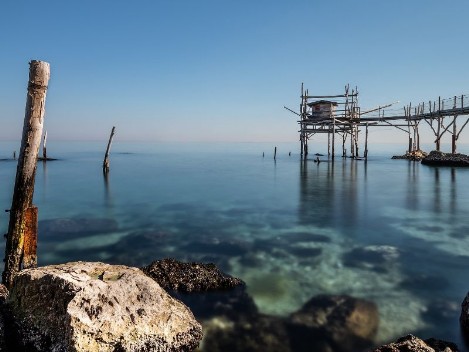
(393, 232)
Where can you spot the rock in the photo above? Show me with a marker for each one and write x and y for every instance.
(436, 158)
(416, 155)
(3, 293)
(349, 324)
(411, 343)
(57, 228)
(260, 333)
(189, 277)
(377, 258)
(464, 317)
(86, 306)
(231, 304)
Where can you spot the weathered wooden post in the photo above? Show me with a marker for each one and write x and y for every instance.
(106, 156)
(44, 148)
(366, 142)
(275, 153)
(22, 212)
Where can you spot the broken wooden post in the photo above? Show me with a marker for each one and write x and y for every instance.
(21, 215)
(275, 153)
(106, 156)
(44, 148)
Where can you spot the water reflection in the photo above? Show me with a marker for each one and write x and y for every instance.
(412, 194)
(329, 196)
(108, 199)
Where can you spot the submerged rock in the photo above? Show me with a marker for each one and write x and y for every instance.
(259, 333)
(189, 277)
(412, 343)
(54, 228)
(85, 306)
(377, 258)
(346, 323)
(436, 158)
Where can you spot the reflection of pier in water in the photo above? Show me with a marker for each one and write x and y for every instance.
(442, 185)
(329, 193)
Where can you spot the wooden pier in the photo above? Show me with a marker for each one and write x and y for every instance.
(341, 116)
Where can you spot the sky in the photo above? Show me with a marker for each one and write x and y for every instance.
(222, 70)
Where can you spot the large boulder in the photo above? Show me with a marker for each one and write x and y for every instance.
(347, 323)
(412, 343)
(86, 306)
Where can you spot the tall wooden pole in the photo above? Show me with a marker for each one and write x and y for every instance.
(333, 137)
(366, 142)
(106, 156)
(39, 74)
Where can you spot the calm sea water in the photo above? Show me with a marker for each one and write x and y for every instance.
(391, 231)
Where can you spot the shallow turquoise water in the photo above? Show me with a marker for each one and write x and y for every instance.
(391, 231)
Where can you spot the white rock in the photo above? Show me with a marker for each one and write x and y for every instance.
(86, 306)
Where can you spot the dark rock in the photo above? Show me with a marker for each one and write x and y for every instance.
(376, 258)
(3, 293)
(348, 324)
(464, 317)
(412, 343)
(436, 158)
(256, 334)
(81, 226)
(189, 277)
(231, 304)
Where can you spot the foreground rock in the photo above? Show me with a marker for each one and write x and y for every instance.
(411, 343)
(189, 277)
(204, 288)
(3, 297)
(324, 324)
(464, 318)
(436, 158)
(416, 155)
(347, 323)
(99, 307)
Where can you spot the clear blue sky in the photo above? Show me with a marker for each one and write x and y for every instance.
(221, 70)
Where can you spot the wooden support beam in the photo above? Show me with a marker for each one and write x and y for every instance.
(39, 74)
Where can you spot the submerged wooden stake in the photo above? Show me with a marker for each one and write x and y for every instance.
(44, 148)
(106, 156)
(275, 153)
(39, 74)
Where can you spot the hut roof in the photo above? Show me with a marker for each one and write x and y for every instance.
(322, 102)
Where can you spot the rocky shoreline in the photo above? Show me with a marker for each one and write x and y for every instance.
(87, 306)
(436, 158)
